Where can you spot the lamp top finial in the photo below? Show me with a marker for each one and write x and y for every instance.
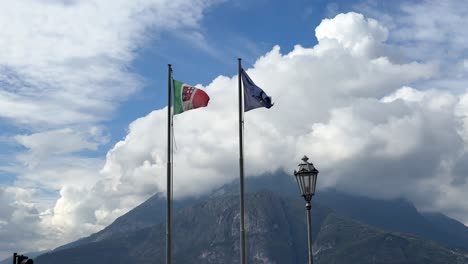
(305, 159)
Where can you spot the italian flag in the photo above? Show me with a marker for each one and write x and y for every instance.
(187, 97)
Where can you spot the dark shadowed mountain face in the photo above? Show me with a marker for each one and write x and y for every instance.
(457, 230)
(343, 240)
(394, 215)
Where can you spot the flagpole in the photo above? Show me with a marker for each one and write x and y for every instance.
(169, 167)
(241, 166)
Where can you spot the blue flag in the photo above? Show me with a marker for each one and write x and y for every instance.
(254, 97)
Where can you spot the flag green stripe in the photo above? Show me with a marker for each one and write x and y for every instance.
(177, 97)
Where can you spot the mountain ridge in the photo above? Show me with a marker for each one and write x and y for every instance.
(208, 232)
(376, 212)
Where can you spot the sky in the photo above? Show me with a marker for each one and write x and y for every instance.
(374, 92)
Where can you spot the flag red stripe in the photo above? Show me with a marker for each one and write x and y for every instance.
(200, 99)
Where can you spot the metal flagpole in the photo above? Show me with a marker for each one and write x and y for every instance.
(169, 167)
(241, 163)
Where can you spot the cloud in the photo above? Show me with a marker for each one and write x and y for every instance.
(425, 23)
(426, 30)
(45, 143)
(19, 220)
(362, 38)
(66, 62)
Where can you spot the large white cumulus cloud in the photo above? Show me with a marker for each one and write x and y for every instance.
(365, 37)
(344, 102)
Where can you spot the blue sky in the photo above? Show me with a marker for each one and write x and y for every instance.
(83, 85)
(231, 30)
(246, 29)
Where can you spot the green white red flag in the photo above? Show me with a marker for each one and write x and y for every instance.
(187, 97)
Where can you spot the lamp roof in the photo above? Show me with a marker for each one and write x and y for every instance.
(306, 167)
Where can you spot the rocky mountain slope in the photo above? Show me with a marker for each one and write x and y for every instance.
(342, 240)
(208, 232)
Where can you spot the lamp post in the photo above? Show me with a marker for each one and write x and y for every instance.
(306, 177)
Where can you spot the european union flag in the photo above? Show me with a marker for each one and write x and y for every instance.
(254, 97)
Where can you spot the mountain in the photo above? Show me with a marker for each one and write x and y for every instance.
(396, 215)
(211, 223)
(153, 210)
(457, 230)
(342, 240)
(208, 232)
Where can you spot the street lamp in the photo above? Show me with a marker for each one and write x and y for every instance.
(306, 177)
(21, 259)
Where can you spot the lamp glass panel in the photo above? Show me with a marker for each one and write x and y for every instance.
(302, 181)
(308, 182)
(314, 184)
(298, 183)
